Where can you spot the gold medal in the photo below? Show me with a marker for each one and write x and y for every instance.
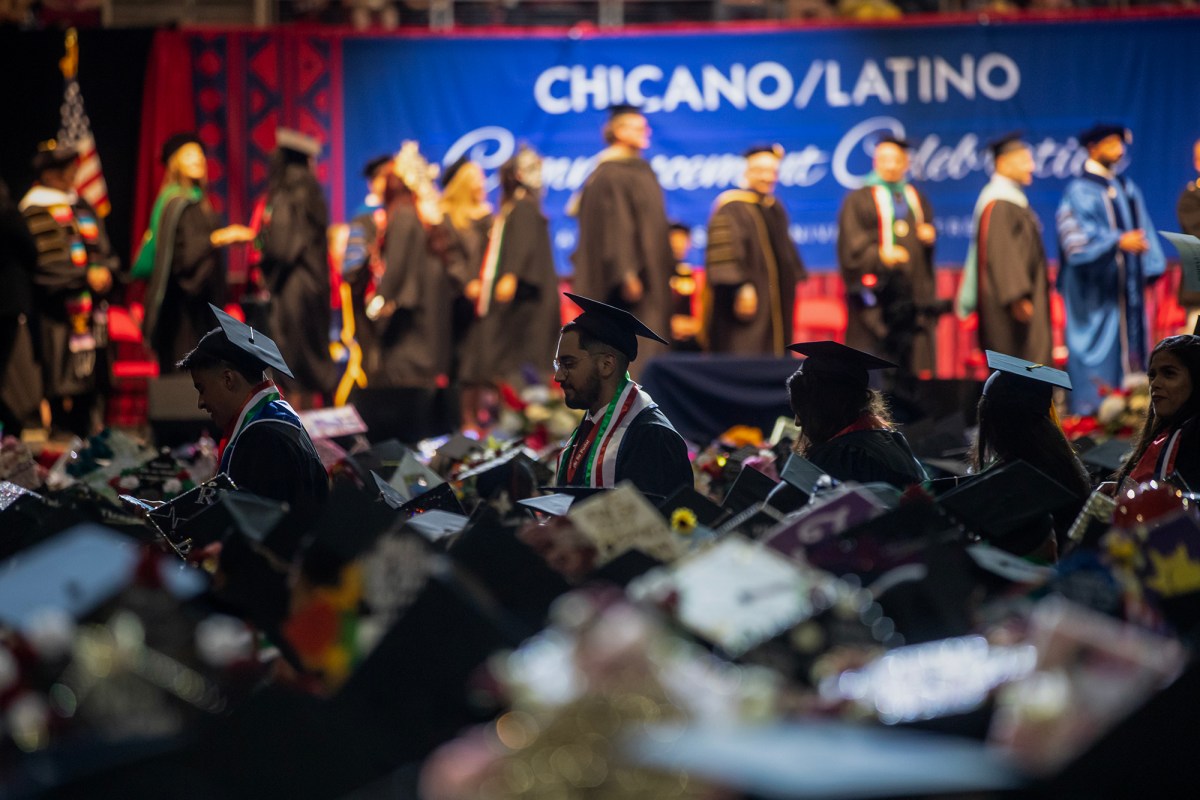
(900, 228)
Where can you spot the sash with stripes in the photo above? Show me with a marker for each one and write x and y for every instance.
(886, 209)
(600, 468)
(265, 405)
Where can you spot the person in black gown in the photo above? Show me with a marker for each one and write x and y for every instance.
(844, 424)
(624, 435)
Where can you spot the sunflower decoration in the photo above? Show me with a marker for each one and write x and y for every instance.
(683, 521)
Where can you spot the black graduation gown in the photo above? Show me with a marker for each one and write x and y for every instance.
(623, 228)
(653, 456)
(296, 267)
(58, 281)
(467, 248)
(1012, 266)
(192, 276)
(884, 319)
(278, 461)
(413, 346)
(522, 333)
(20, 383)
(869, 456)
(748, 242)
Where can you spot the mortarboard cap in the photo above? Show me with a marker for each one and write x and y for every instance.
(750, 487)
(458, 447)
(1107, 457)
(804, 475)
(891, 138)
(1021, 383)
(375, 164)
(297, 142)
(774, 149)
(556, 504)
(513, 473)
(1007, 142)
(436, 524)
(238, 343)
(1102, 130)
(74, 573)
(452, 169)
(613, 326)
(891, 539)
(1007, 505)
(838, 361)
(621, 109)
(708, 513)
(173, 143)
(252, 516)
(440, 497)
(51, 155)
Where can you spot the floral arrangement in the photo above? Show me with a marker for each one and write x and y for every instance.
(1120, 414)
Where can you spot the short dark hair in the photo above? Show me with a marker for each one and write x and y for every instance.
(593, 345)
(824, 405)
(210, 353)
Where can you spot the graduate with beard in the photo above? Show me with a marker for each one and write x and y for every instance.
(885, 254)
(624, 435)
(624, 255)
(752, 264)
(1004, 276)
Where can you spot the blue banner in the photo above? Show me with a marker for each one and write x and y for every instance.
(824, 94)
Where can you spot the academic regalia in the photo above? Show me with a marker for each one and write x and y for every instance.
(1012, 266)
(296, 268)
(467, 246)
(652, 455)
(749, 243)
(631, 439)
(868, 456)
(266, 449)
(867, 450)
(20, 381)
(70, 238)
(413, 345)
(1104, 288)
(185, 273)
(508, 337)
(883, 304)
(623, 228)
(355, 254)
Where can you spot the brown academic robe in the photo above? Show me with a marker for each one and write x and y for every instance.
(1012, 266)
(413, 346)
(748, 242)
(521, 334)
(1188, 210)
(296, 267)
(886, 319)
(623, 228)
(468, 246)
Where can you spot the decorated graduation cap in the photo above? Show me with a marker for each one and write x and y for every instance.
(838, 361)
(297, 142)
(1007, 143)
(52, 155)
(174, 143)
(1102, 130)
(1021, 383)
(774, 149)
(375, 164)
(613, 326)
(238, 343)
(891, 138)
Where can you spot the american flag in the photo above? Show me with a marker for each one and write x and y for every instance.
(76, 132)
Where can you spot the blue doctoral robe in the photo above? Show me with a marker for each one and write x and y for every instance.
(1104, 288)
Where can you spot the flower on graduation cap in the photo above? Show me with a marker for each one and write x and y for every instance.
(683, 521)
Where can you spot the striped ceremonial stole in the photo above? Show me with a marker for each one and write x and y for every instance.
(886, 209)
(600, 469)
(265, 405)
